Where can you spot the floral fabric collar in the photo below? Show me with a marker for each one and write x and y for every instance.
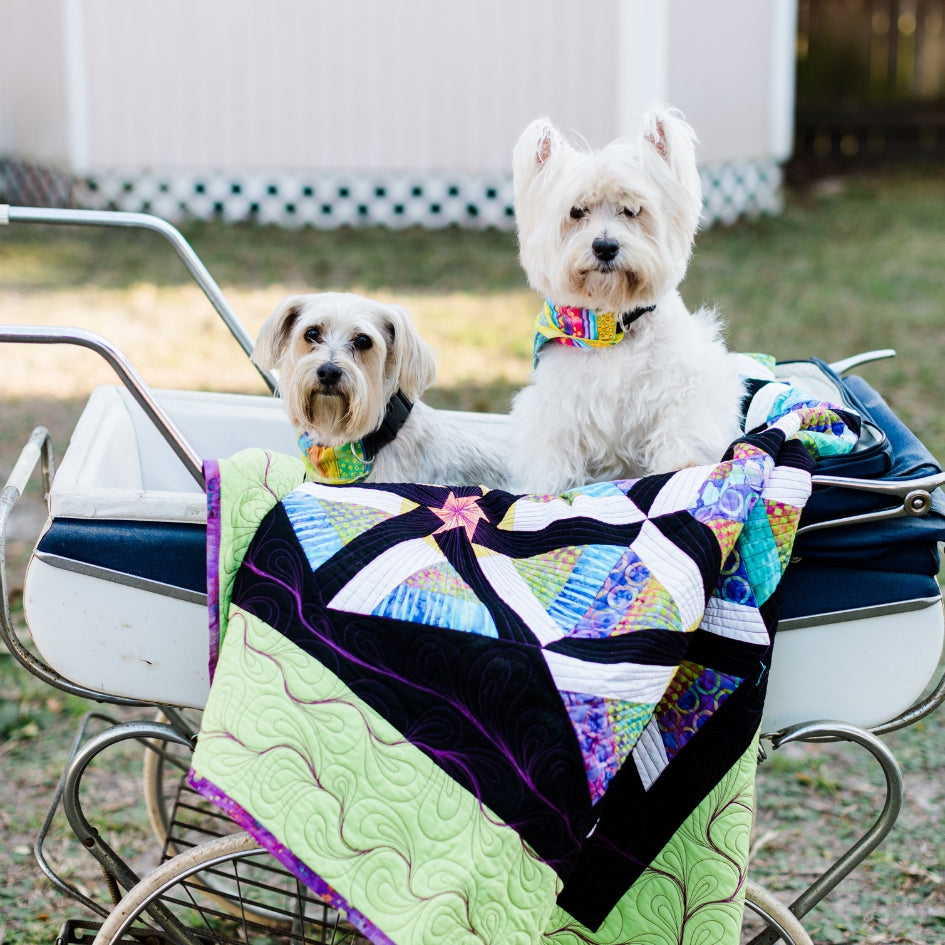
(350, 463)
(334, 465)
(581, 327)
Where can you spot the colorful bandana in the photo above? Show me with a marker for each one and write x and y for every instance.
(334, 465)
(351, 462)
(576, 327)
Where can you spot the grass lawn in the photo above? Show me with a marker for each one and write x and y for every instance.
(852, 265)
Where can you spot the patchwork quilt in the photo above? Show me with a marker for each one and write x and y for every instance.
(467, 716)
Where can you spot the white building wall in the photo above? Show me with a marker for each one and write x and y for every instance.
(727, 73)
(372, 85)
(330, 112)
(33, 107)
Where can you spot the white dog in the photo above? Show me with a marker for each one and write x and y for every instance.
(350, 372)
(627, 381)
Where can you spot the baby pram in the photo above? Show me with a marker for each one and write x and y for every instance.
(115, 601)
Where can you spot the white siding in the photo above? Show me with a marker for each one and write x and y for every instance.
(33, 110)
(329, 112)
(293, 84)
(720, 73)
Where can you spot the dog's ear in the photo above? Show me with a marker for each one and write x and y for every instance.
(276, 331)
(538, 142)
(667, 135)
(412, 361)
(668, 141)
(547, 140)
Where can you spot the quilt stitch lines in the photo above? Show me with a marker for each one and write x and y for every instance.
(652, 576)
(581, 671)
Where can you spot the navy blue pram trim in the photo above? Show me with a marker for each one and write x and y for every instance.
(164, 552)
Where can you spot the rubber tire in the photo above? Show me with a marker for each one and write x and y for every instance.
(214, 852)
(776, 914)
(240, 845)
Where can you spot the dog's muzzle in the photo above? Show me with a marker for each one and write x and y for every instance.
(605, 250)
(328, 375)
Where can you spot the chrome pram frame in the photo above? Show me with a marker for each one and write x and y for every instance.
(168, 738)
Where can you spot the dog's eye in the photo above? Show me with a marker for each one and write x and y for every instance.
(363, 342)
(577, 213)
(630, 212)
(313, 335)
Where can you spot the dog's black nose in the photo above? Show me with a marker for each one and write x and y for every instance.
(605, 248)
(328, 374)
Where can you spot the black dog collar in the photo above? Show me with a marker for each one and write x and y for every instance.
(628, 318)
(398, 409)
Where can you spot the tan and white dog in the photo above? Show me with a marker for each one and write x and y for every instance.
(351, 372)
(628, 381)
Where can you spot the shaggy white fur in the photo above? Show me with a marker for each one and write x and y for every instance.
(612, 231)
(340, 358)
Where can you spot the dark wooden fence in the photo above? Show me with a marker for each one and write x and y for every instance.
(870, 81)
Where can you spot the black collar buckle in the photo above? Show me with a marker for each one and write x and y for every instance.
(628, 318)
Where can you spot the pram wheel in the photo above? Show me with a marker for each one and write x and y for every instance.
(262, 903)
(267, 905)
(164, 764)
(181, 820)
(775, 914)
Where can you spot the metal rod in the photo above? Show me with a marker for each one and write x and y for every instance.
(38, 852)
(41, 334)
(39, 446)
(847, 364)
(90, 838)
(834, 874)
(895, 487)
(147, 221)
(915, 495)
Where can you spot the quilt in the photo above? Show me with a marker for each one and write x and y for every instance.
(466, 716)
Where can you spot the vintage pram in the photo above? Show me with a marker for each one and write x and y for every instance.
(115, 602)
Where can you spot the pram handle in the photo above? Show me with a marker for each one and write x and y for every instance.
(146, 221)
(48, 334)
(865, 357)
